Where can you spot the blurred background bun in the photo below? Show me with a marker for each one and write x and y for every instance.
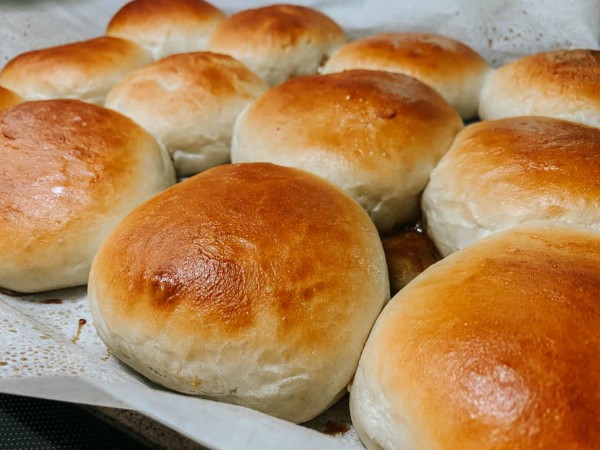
(166, 27)
(70, 172)
(408, 252)
(189, 102)
(253, 284)
(278, 42)
(501, 173)
(492, 348)
(377, 135)
(454, 70)
(562, 84)
(84, 70)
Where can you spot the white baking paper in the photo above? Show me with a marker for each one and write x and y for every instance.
(41, 352)
(47, 351)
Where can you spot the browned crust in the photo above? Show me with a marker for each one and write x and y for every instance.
(362, 115)
(433, 56)
(496, 346)
(518, 159)
(156, 15)
(274, 26)
(72, 65)
(236, 249)
(60, 161)
(200, 76)
(566, 74)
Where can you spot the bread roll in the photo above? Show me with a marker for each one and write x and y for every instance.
(189, 102)
(494, 347)
(377, 135)
(84, 70)
(450, 67)
(8, 98)
(70, 172)
(501, 173)
(278, 42)
(253, 284)
(561, 84)
(166, 27)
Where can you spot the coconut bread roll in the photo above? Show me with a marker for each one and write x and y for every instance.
(252, 284)
(166, 27)
(69, 172)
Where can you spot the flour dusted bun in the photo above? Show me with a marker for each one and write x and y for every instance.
(278, 41)
(84, 70)
(562, 84)
(70, 172)
(494, 347)
(189, 102)
(165, 27)
(253, 284)
(377, 135)
(454, 70)
(504, 172)
(8, 98)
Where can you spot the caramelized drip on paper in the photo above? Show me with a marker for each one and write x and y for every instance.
(80, 325)
(333, 428)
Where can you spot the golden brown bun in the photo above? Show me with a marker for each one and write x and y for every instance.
(252, 284)
(8, 98)
(450, 67)
(69, 172)
(504, 172)
(377, 135)
(165, 27)
(562, 84)
(189, 103)
(84, 70)
(495, 347)
(278, 42)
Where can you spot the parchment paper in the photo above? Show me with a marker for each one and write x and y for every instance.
(46, 351)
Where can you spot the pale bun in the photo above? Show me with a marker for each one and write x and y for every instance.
(189, 102)
(494, 347)
(166, 27)
(377, 135)
(453, 69)
(70, 172)
(84, 70)
(561, 84)
(252, 284)
(278, 42)
(501, 173)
